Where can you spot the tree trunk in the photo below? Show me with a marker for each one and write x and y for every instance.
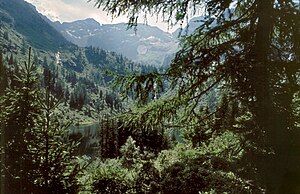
(262, 89)
(276, 166)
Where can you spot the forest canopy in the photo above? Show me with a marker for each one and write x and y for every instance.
(222, 117)
(247, 52)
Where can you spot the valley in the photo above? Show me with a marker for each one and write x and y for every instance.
(89, 107)
(77, 71)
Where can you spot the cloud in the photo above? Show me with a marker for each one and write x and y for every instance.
(71, 10)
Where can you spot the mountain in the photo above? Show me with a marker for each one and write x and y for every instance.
(147, 45)
(79, 31)
(77, 73)
(193, 24)
(24, 18)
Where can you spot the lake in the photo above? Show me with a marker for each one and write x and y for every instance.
(88, 136)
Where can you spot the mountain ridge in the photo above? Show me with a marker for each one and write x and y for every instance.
(147, 45)
(26, 20)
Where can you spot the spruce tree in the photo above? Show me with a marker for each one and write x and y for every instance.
(36, 153)
(20, 109)
(51, 149)
(3, 85)
(247, 49)
(3, 75)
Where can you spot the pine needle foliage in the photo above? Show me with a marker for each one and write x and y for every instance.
(247, 49)
(36, 154)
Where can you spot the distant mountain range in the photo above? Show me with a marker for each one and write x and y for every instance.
(77, 73)
(148, 45)
(23, 17)
(77, 53)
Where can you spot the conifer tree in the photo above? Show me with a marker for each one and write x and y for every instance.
(3, 75)
(20, 109)
(11, 60)
(52, 150)
(3, 85)
(35, 149)
(5, 35)
(24, 47)
(248, 49)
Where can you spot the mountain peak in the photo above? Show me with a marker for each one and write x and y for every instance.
(147, 45)
(32, 25)
(90, 22)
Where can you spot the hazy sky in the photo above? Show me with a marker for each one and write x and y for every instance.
(70, 10)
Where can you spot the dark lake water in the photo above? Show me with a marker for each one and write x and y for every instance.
(88, 137)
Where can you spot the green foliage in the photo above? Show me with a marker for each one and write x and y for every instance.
(5, 36)
(152, 141)
(109, 137)
(3, 75)
(247, 50)
(148, 179)
(193, 177)
(155, 114)
(37, 154)
(52, 151)
(188, 170)
(169, 9)
(144, 87)
(26, 20)
(77, 73)
(133, 172)
(130, 153)
(79, 97)
(111, 177)
(209, 168)
(239, 51)
(114, 135)
(226, 145)
(21, 111)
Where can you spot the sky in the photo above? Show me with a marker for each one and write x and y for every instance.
(71, 10)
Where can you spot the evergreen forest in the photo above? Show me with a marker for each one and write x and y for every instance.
(221, 117)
